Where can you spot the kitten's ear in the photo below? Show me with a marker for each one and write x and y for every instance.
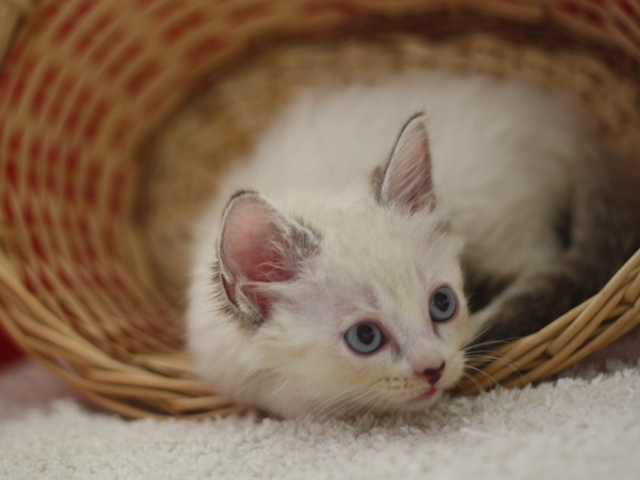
(259, 245)
(406, 181)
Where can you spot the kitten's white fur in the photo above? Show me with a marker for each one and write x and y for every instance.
(494, 147)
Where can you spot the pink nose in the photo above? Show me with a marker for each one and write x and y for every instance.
(432, 374)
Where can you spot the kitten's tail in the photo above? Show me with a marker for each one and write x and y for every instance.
(603, 232)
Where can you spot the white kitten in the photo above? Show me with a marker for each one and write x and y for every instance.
(341, 291)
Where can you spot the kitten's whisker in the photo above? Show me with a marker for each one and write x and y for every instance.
(477, 384)
(487, 375)
(353, 405)
(500, 360)
(334, 406)
(494, 343)
(364, 416)
(254, 380)
(379, 416)
(476, 336)
(487, 358)
(491, 377)
(470, 346)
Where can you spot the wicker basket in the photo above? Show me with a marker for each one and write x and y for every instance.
(87, 85)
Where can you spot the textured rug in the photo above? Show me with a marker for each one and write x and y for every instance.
(583, 425)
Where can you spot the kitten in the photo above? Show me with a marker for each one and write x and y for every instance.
(337, 290)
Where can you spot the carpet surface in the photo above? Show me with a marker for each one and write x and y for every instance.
(584, 425)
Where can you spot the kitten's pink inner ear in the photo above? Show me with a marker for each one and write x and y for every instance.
(407, 181)
(253, 246)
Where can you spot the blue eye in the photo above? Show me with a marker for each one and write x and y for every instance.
(443, 305)
(364, 337)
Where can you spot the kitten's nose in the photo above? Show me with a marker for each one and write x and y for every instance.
(432, 374)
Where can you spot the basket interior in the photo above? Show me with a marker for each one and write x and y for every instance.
(101, 101)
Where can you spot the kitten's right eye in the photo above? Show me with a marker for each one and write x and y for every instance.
(365, 337)
(443, 305)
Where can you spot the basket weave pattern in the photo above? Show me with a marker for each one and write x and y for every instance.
(86, 84)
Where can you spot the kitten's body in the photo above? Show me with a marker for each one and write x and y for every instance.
(505, 166)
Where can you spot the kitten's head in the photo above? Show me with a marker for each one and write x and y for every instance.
(359, 307)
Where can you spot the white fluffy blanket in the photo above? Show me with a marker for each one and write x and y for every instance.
(583, 426)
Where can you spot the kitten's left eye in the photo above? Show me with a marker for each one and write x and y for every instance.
(365, 337)
(443, 304)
